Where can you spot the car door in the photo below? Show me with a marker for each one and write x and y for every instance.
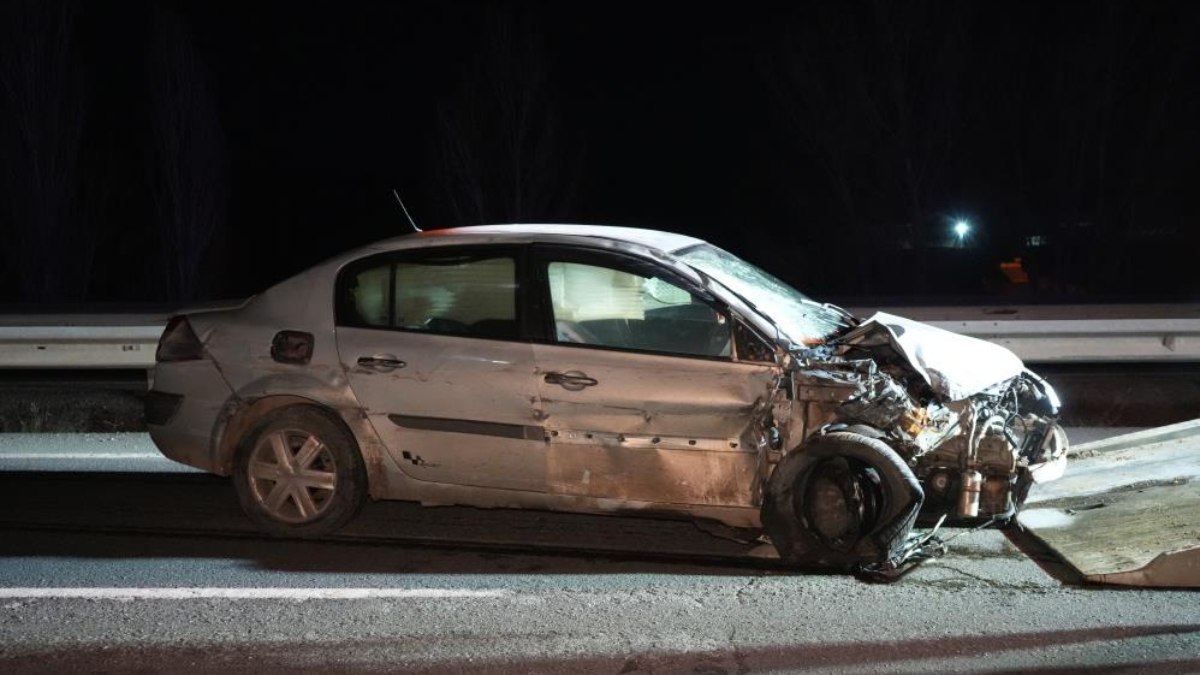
(434, 349)
(641, 395)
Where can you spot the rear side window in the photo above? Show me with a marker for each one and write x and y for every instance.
(471, 295)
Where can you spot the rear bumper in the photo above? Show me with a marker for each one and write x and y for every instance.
(183, 409)
(161, 407)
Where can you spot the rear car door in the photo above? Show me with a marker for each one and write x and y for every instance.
(432, 343)
(641, 395)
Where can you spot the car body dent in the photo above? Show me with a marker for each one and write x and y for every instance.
(656, 428)
(237, 342)
(955, 366)
(975, 426)
(445, 378)
(188, 436)
(698, 440)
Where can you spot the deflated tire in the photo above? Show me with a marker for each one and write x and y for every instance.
(841, 500)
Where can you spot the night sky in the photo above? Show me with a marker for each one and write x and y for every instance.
(178, 151)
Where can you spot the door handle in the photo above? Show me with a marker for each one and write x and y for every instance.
(572, 380)
(381, 361)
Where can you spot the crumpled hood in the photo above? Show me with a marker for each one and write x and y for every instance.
(955, 366)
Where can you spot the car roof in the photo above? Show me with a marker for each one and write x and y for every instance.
(285, 296)
(656, 239)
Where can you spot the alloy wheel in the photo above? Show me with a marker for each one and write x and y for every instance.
(293, 476)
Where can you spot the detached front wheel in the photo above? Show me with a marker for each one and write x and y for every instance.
(298, 473)
(844, 499)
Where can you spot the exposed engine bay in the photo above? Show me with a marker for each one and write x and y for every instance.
(973, 424)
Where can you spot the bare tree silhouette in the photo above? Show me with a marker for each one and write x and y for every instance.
(873, 93)
(503, 153)
(818, 88)
(1101, 95)
(42, 117)
(191, 180)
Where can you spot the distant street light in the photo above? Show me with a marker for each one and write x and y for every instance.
(961, 229)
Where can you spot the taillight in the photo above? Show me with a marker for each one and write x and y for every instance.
(179, 342)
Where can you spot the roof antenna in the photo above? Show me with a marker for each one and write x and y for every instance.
(406, 214)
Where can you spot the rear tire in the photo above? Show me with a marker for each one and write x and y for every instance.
(298, 473)
(844, 499)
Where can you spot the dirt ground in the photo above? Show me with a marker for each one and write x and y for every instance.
(28, 409)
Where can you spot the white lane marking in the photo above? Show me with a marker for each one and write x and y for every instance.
(248, 593)
(77, 455)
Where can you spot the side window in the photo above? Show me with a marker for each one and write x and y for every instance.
(370, 294)
(459, 295)
(614, 308)
(751, 347)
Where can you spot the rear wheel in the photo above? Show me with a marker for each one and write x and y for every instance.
(299, 473)
(843, 499)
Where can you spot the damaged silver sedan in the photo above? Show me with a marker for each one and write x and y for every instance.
(599, 370)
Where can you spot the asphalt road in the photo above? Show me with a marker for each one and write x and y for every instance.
(113, 560)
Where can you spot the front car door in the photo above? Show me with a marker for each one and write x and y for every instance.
(433, 344)
(641, 392)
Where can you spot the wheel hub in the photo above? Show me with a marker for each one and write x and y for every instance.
(293, 476)
(840, 503)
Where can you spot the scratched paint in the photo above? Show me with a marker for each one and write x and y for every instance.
(653, 433)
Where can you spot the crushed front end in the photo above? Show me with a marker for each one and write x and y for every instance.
(973, 424)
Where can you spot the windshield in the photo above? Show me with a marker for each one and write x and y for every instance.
(799, 318)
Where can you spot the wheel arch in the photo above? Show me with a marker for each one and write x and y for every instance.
(241, 415)
(345, 481)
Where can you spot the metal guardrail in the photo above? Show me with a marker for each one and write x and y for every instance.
(1135, 439)
(1078, 334)
(80, 341)
(1074, 333)
(1090, 340)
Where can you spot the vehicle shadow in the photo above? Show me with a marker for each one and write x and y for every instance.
(1043, 556)
(139, 515)
(344, 558)
(145, 515)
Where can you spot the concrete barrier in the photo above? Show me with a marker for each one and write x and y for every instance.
(1126, 512)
